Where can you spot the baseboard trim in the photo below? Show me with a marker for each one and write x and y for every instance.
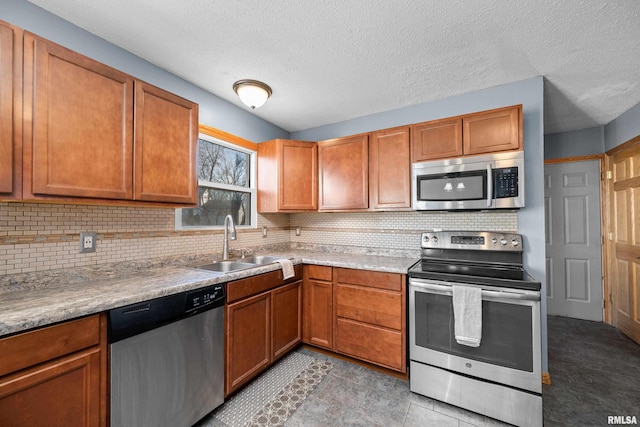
(546, 378)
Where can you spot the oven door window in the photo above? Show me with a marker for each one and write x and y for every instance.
(470, 185)
(506, 331)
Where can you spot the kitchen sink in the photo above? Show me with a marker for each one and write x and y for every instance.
(261, 259)
(227, 266)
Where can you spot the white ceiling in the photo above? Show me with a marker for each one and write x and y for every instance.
(334, 60)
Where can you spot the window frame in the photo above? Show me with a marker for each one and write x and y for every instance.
(234, 143)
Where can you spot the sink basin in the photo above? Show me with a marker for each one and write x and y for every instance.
(261, 259)
(227, 266)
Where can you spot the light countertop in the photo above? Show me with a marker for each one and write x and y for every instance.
(32, 300)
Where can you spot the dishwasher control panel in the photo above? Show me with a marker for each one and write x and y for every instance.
(204, 297)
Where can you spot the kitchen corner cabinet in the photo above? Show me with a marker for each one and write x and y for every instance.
(390, 168)
(10, 111)
(370, 317)
(343, 177)
(79, 141)
(262, 323)
(317, 297)
(287, 176)
(55, 376)
(358, 313)
(478, 133)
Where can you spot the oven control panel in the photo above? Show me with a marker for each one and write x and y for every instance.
(471, 240)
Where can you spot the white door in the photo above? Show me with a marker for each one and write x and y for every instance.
(573, 240)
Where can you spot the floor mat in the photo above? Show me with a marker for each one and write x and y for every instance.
(274, 396)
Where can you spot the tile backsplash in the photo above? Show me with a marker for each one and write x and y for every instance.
(37, 236)
(398, 231)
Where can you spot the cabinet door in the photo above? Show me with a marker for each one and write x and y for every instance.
(286, 310)
(248, 340)
(365, 304)
(372, 343)
(439, 139)
(78, 124)
(165, 147)
(287, 176)
(390, 168)
(297, 175)
(10, 111)
(492, 131)
(317, 326)
(64, 393)
(344, 173)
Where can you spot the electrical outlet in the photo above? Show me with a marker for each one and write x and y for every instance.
(297, 231)
(87, 242)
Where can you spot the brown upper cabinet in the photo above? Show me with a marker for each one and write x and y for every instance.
(79, 141)
(166, 135)
(390, 168)
(479, 133)
(438, 139)
(343, 180)
(10, 111)
(287, 176)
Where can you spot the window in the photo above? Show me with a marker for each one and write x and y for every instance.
(226, 186)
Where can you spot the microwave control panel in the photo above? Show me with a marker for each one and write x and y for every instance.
(505, 182)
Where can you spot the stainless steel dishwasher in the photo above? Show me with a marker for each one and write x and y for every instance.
(167, 359)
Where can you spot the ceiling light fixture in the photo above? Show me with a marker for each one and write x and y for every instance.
(252, 93)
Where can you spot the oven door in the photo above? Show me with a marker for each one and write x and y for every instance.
(509, 351)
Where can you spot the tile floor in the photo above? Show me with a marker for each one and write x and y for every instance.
(595, 373)
(352, 395)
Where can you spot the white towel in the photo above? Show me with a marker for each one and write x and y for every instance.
(467, 315)
(287, 268)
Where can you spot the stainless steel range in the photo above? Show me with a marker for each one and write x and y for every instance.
(489, 363)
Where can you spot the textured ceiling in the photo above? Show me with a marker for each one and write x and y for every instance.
(333, 60)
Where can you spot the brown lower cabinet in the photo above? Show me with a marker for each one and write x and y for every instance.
(55, 376)
(317, 296)
(262, 324)
(358, 313)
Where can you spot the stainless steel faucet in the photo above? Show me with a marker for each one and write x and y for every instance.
(228, 234)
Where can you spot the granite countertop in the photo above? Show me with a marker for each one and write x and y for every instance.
(32, 300)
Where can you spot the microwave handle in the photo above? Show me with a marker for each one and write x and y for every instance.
(489, 185)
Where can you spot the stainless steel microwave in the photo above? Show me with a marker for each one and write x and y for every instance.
(494, 181)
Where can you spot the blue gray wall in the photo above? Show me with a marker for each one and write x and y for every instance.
(595, 140)
(577, 143)
(214, 111)
(622, 129)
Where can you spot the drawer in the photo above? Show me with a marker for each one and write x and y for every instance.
(30, 348)
(319, 272)
(370, 305)
(370, 343)
(374, 279)
(254, 285)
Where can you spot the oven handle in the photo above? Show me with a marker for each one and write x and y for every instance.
(448, 290)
